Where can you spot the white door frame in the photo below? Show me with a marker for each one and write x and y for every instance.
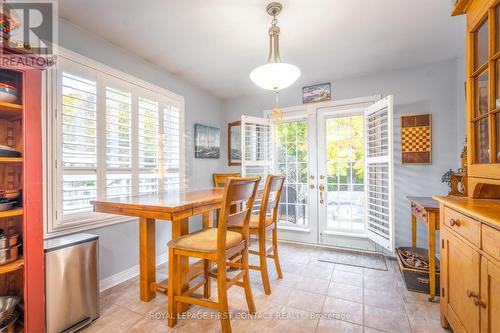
(311, 112)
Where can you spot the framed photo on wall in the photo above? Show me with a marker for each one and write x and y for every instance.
(317, 93)
(206, 141)
(234, 143)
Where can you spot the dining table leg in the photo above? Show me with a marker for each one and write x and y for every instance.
(180, 227)
(208, 222)
(147, 258)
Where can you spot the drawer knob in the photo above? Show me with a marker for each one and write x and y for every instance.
(470, 294)
(482, 303)
(454, 223)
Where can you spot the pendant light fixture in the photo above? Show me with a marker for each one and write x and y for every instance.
(275, 75)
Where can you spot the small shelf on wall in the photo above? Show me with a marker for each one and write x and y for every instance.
(12, 212)
(11, 160)
(13, 266)
(10, 110)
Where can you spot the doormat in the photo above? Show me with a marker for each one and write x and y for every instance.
(358, 259)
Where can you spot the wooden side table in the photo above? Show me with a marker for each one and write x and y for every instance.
(426, 210)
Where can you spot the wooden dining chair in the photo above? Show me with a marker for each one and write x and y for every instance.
(262, 224)
(220, 178)
(216, 245)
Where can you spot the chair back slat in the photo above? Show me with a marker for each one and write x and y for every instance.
(271, 197)
(220, 178)
(239, 193)
(236, 219)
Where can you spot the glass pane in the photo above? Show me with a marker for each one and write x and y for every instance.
(497, 25)
(497, 84)
(481, 140)
(482, 93)
(482, 44)
(497, 120)
(345, 205)
(291, 158)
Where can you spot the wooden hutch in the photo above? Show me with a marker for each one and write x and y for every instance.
(21, 129)
(470, 233)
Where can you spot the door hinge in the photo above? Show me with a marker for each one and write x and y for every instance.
(442, 243)
(442, 292)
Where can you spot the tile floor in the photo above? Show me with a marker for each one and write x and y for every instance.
(351, 299)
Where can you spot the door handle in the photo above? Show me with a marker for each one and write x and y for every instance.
(321, 189)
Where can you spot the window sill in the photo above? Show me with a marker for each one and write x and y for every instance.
(86, 224)
(290, 228)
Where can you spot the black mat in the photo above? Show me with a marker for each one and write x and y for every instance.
(350, 258)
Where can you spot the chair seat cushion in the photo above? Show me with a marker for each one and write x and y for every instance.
(254, 221)
(205, 240)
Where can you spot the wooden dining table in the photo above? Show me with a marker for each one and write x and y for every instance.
(176, 207)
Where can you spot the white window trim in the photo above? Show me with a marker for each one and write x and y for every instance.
(52, 185)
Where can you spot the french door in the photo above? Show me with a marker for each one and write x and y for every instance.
(337, 158)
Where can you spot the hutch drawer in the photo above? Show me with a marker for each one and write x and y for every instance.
(491, 241)
(463, 225)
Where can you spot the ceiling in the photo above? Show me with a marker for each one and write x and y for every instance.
(216, 43)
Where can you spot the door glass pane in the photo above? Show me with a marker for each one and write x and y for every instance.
(482, 93)
(497, 84)
(291, 158)
(481, 140)
(482, 44)
(345, 192)
(497, 120)
(497, 27)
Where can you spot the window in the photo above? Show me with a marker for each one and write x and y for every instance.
(108, 135)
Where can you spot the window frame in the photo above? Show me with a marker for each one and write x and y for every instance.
(105, 76)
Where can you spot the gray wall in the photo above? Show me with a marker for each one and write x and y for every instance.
(429, 89)
(119, 243)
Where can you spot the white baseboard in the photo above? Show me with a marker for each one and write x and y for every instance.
(127, 274)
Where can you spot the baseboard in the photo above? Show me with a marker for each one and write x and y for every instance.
(127, 274)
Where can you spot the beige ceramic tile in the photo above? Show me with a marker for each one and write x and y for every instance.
(347, 268)
(337, 326)
(346, 291)
(383, 300)
(386, 320)
(353, 279)
(347, 310)
(313, 285)
(306, 301)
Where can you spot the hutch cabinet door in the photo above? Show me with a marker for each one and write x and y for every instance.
(489, 301)
(462, 283)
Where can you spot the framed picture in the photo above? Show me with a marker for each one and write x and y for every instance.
(317, 93)
(234, 143)
(416, 139)
(206, 141)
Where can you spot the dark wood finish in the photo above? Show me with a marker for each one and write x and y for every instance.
(426, 210)
(229, 147)
(176, 207)
(238, 192)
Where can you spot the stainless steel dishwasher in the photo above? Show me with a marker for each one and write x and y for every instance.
(71, 283)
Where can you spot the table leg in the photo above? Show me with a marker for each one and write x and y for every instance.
(432, 255)
(180, 227)
(413, 231)
(208, 222)
(147, 258)
(208, 219)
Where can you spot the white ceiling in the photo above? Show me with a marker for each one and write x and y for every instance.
(216, 43)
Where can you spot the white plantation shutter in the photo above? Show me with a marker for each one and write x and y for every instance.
(148, 145)
(379, 173)
(171, 141)
(118, 104)
(256, 148)
(79, 131)
(112, 136)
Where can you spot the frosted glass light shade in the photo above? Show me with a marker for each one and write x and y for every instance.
(275, 76)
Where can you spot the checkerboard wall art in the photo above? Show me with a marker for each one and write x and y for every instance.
(416, 139)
